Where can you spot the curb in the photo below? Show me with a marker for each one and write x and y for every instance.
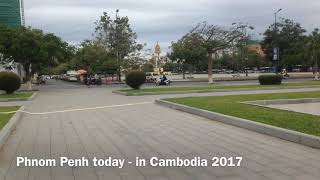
(285, 134)
(10, 126)
(33, 96)
(19, 99)
(209, 91)
(120, 93)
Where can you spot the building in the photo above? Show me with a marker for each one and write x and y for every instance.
(257, 49)
(12, 13)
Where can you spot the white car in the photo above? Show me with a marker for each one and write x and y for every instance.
(73, 78)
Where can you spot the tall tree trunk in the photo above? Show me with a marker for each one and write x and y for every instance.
(27, 70)
(316, 70)
(210, 64)
(119, 76)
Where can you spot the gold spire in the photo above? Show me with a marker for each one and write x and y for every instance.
(157, 48)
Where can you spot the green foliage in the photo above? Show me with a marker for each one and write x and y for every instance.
(175, 67)
(290, 38)
(135, 79)
(62, 68)
(9, 82)
(31, 46)
(270, 79)
(94, 57)
(147, 67)
(242, 58)
(117, 36)
(189, 51)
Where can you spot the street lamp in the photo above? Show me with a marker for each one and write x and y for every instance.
(276, 50)
(316, 66)
(116, 46)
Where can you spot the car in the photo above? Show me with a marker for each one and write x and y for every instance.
(72, 78)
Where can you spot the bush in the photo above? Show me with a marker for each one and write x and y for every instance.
(270, 79)
(135, 79)
(9, 82)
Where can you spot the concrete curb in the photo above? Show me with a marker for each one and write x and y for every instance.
(120, 93)
(10, 126)
(289, 135)
(33, 96)
(209, 91)
(19, 99)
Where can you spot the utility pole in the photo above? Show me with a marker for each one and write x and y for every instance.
(314, 58)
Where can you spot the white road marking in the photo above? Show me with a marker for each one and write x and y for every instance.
(80, 109)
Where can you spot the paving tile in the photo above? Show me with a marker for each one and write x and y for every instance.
(145, 131)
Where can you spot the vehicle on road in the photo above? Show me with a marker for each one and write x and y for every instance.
(163, 81)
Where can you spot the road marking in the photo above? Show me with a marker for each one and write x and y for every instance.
(74, 110)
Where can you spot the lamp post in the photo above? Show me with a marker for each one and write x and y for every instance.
(276, 50)
(116, 46)
(314, 58)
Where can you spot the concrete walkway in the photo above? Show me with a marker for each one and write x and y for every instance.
(143, 130)
(310, 108)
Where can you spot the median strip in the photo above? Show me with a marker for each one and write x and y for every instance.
(213, 88)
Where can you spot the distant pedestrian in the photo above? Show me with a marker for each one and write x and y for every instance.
(89, 80)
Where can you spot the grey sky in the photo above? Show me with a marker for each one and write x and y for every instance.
(163, 20)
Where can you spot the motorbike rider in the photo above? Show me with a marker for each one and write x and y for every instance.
(164, 79)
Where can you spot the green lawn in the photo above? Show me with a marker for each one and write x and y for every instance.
(24, 95)
(4, 118)
(216, 87)
(230, 105)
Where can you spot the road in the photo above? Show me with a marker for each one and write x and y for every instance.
(58, 85)
(130, 127)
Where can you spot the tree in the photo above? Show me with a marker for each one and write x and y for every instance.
(188, 51)
(134, 61)
(93, 57)
(289, 37)
(147, 67)
(32, 48)
(215, 38)
(312, 50)
(117, 36)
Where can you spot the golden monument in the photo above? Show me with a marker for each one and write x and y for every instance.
(157, 52)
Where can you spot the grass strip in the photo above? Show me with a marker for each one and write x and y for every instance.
(230, 105)
(218, 87)
(4, 118)
(25, 95)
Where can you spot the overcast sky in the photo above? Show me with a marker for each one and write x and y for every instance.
(163, 20)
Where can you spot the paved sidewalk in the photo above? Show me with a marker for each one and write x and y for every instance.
(143, 130)
(310, 108)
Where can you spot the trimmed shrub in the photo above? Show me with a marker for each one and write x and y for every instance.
(270, 79)
(135, 79)
(9, 82)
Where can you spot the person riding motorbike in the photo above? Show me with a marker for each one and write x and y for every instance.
(164, 79)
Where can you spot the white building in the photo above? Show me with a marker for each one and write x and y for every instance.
(14, 67)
